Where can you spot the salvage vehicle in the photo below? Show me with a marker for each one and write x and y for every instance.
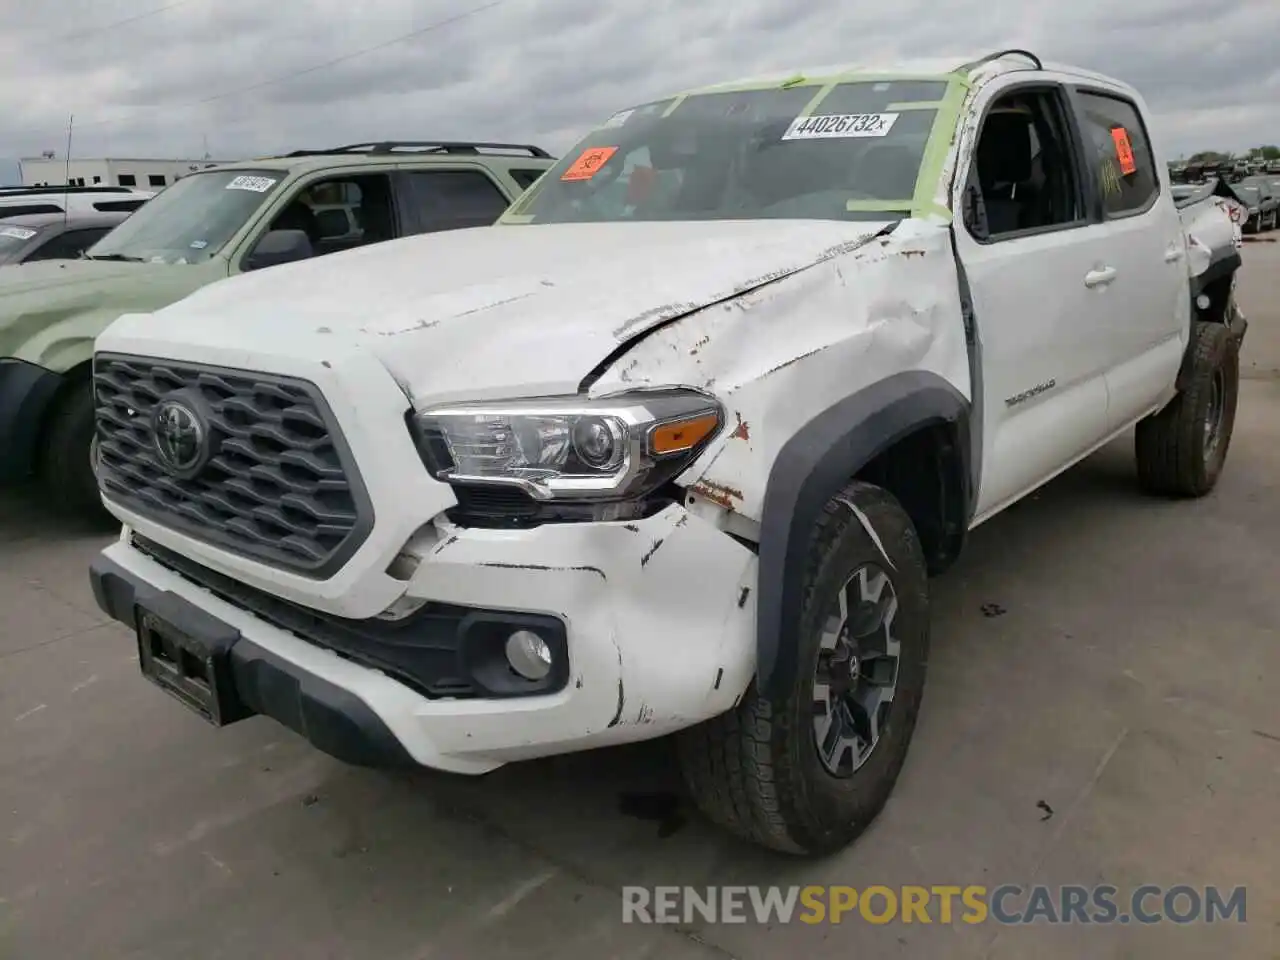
(1263, 207)
(52, 236)
(675, 447)
(211, 224)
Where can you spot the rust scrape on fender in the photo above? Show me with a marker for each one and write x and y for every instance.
(718, 493)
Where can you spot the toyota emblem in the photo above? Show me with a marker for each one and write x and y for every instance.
(180, 436)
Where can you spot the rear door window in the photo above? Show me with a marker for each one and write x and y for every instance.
(1124, 162)
(453, 199)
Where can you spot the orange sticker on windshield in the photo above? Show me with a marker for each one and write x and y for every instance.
(1124, 152)
(588, 162)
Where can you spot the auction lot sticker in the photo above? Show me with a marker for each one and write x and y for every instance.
(588, 162)
(841, 125)
(256, 184)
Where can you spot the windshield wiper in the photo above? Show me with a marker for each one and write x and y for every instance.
(124, 258)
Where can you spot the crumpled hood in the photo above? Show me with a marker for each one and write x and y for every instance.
(480, 312)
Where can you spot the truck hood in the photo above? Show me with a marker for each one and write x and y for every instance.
(45, 274)
(34, 297)
(487, 311)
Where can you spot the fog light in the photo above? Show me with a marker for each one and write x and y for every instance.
(528, 655)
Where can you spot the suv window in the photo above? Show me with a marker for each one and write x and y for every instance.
(1024, 175)
(21, 210)
(452, 199)
(1126, 166)
(69, 245)
(321, 208)
(526, 178)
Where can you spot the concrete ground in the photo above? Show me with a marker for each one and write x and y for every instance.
(1127, 683)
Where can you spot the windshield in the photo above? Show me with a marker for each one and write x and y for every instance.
(1247, 193)
(848, 152)
(190, 221)
(12, 239)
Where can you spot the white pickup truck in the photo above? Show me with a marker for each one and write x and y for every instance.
(674, 447)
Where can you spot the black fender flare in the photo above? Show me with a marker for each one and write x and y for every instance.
(811, 468)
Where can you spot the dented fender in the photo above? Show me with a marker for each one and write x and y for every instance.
(780, 354)
(818, 372)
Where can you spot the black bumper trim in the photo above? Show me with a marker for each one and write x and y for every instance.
(26, 390)
(332, 719)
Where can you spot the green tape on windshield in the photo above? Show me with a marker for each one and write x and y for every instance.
(674, 103)
(878, 206)
(945, 125)
(818, 97)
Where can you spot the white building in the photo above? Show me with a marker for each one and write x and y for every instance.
(145, 174)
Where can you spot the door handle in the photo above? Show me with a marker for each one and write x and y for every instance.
(1173, 255)
(1099, 277)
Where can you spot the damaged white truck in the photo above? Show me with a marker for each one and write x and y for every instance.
(674, 448)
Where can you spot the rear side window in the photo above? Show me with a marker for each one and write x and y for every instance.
(452, 199)
(20, 209)
(526, 178)
(1125, 165)
(119, 206)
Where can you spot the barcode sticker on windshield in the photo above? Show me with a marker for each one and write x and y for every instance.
(18, 233)
(256, 184)
(841, 125)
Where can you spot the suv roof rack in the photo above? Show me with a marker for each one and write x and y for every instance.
(384, 147)
(1011, 52)
(58, 188)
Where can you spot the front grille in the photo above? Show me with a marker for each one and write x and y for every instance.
(279, 487)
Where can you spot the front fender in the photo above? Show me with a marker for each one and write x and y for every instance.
(813, 466)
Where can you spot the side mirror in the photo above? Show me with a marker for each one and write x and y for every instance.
(277, 247)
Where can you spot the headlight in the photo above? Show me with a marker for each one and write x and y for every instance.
(570, 448)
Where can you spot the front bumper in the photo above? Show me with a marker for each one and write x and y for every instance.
(26, 391)
(659, 626)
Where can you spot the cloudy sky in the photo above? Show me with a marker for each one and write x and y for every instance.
(163, 77)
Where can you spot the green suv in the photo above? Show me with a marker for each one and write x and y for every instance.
(207, 226)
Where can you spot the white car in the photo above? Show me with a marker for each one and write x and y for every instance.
(674, 448)
(21, 201)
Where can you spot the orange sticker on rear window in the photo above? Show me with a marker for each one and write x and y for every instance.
(588, 162)
(1124, 152)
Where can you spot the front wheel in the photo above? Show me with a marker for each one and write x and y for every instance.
(67, 459)
(1181, 449)
(805, 770)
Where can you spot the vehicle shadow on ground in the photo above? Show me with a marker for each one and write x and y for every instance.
(27, 513)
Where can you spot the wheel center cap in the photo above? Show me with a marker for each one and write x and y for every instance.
(844, 670)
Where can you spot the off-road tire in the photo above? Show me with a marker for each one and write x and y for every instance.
(755, 770)
(1170, 444)
(66, 472)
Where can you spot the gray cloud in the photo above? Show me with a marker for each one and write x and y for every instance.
(545, 70)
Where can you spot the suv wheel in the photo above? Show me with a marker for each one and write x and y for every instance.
(67, 458)
(807, 769)
(1182, 448)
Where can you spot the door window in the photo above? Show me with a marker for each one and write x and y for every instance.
(453, 199)
(1118, 144)
(341, 213)
(1024, 175)
(69, 245)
